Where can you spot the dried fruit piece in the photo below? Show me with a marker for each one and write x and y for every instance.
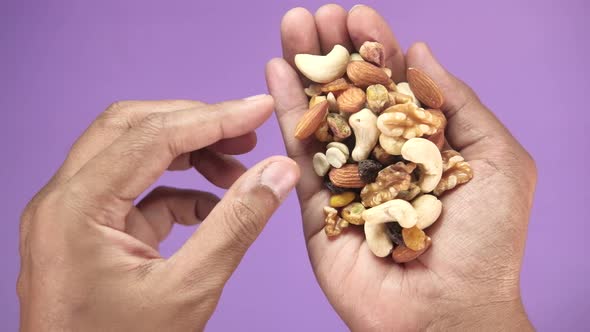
(334, 224)
(425, 88)
(456, 171)
(377, 98)
(363, 74)
(403, 254)
(394, 230)
(311, 120)
(332, 187)
(346, 177)
(339, 126)
(390, 181)
(351, 100)
(336, 85)
(409, 121)
(373, 52)
(343, 199)
(353, 213)
(414, 238)
(368, 170)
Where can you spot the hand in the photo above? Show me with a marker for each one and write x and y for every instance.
(89, 257)
(469, 279)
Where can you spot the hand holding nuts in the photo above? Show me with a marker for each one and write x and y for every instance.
(396, 148)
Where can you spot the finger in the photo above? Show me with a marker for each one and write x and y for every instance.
(165, 206)
(237, 145)
(366, 24)
(290, 104)
(112, 123)
(219, 169)
(236, 221)
(120, 173)
(330, 21)
(298, 34)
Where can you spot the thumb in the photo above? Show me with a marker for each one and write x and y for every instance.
(472, 128)
(230, 228)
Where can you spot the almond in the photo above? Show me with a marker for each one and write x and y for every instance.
(363, 74)
(438, 138)
(351, 100)
(346, 177)
(403, 254)
(373, 52)
(425, 88)
(311, 120)
(337, 85)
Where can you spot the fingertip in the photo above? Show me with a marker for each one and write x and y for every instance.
(280, 175)
(357, 6)
(294, 15)
(329, 10)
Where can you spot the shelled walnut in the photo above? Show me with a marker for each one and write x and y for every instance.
(409, 121)
(390, 181)
(456, 171)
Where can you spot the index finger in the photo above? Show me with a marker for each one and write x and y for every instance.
(120, 173)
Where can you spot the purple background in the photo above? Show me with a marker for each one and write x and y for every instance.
(61, 63)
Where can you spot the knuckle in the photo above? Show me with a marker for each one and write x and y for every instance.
(243, 222)
(115, 116)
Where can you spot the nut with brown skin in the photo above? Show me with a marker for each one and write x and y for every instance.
(346, 177)
(334, 224)
(351, 100)
(425, 88)
(373, 52)
(311, 120)
(338, 126)
(339, 84)
(363, 74)
(403, 254)
(389, 182)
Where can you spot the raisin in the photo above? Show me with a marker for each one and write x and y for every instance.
(368, 170)
(394, 230)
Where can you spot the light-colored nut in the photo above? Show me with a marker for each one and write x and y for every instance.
(323, 68)
(338, 126)
(404, 88)
(424, 153)
(389, 182)
(311, 120)
(353, 213)
(321, 166)
(314, 89)
(336, 157)
(333, 104)
(409, 121)
(373, 52)
(356, 57)
(316, 100)
(403, 254)
(375, 229)
(428, 208)
(399, 98)
(392, 145)
(340, 146)
(456, 171)
(339, 84)
(414, 238)
(363, 74)
(382, 156)
(346, 176)
(351, 100)
(425, 88)
(334, 224)
(323, 134)
(364, 125)
(343, 199)
(377, 98)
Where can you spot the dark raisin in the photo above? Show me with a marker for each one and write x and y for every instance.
(333, 188)
(394, 230)
(368, 170)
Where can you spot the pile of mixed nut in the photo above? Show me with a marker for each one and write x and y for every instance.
(400, 161)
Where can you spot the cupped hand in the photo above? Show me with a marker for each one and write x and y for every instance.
(89, 255)
(469, 278)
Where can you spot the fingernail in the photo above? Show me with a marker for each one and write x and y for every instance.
(256, 97)
(280, 178)
(353, 7)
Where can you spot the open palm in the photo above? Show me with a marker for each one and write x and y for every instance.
(470, 276)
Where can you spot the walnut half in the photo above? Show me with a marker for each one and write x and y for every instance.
(456, 171)
(390, 181)
(334, 224)
(409, 121)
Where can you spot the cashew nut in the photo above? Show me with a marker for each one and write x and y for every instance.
(404, 87)
(323, 68)
(364, 125)
(375, 228)
(424, 153)
(428, 208)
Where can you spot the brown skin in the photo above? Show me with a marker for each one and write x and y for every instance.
(89, 256)
(469, 279)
